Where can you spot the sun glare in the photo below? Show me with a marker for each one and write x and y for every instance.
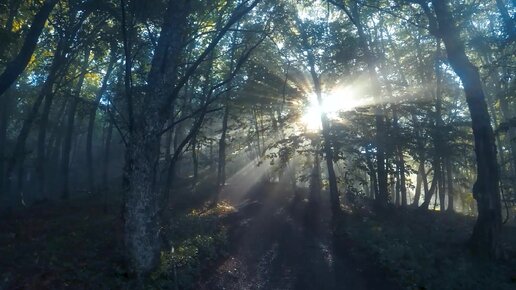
(338, 100)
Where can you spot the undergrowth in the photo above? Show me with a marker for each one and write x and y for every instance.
(427, 250)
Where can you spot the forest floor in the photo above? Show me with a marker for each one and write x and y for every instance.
(280, 242)
(426, 250)
(264, 236)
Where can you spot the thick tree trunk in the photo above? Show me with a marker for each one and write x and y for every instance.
(142, 198)
(487, 231)
(14, 68)
(141, 208)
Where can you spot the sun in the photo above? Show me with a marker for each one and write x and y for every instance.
(338, 100)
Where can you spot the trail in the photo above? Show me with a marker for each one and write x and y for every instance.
(279, 243)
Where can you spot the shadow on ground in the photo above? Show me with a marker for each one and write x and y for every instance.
(278, 241)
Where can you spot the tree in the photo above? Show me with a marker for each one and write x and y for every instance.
(486, 234)
(20, 62)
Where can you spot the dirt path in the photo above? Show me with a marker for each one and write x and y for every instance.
(278, 243)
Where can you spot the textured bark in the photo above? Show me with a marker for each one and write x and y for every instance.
(14, 68)
(142, 197)
(487, 231)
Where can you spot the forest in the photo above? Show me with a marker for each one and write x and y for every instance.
(258, 144)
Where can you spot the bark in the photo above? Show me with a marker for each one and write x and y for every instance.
(486, 237)
(142, 198)
(16, 66)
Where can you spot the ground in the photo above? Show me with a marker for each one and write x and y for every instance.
(264, 236)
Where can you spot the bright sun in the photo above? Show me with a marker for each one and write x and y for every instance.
(338, 100)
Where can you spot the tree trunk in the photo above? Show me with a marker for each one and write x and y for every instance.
(327, 146)
(433, 186)
(18, 155)
(47, 91)
(141, 199)
(221, 171)
(451, 193)
(442, 191)
(5, 112)
(487, 231)
(70, 123)
(402, 180)
(419, 181)
(91, 120)
(106, 160)
(195, 160)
